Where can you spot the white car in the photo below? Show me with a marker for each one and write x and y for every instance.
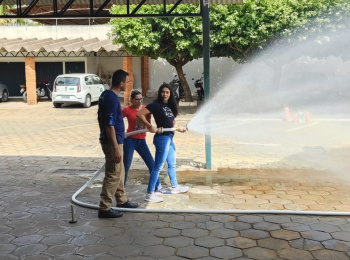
(77, 88)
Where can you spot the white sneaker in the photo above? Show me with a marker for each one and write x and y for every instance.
(151, 197)
(162, 191)
(179, 189)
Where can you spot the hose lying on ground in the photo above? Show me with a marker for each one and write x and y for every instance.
(197, 211)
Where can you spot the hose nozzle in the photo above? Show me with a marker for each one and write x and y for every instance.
(182, 129)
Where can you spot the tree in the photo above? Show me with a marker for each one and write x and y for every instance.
(243, 31)
(5, 10)
(176, 39)
(239, 31)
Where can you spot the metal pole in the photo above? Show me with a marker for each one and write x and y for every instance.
(206, 61)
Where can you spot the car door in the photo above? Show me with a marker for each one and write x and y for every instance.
(89, 83)
(98, 86)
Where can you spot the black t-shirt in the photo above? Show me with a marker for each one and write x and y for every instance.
(162, 114)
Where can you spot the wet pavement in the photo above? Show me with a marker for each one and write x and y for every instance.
(47, 154)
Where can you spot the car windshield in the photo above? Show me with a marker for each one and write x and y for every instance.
(67, 81)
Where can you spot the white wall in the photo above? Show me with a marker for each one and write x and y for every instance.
(55, 32)
(220, 71)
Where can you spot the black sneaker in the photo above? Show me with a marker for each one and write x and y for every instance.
(128, 204)
(111, 213)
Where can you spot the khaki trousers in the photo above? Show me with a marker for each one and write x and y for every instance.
(113, 182)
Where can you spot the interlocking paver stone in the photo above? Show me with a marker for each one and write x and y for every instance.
(224, 233)
(209, 242)
(285, 234)
(226, 252)
(37, 257)
(337, 245)
(91, 250)
(345, 227)
(7, 248)
(333, 221)
(212, 225)
(56, 239)
(259, 253)
(292, 253)
(266, 226)
(327, 255)
(254, 234)
(194, 232)
(305, 244)
(179, 241)
(316, 235)
(344, 236)
(273, 243)
(167, 232)
(250, 219)
(159, 251)
(59, 250)
(324, 227)
(277, 219)
(237, 226)
(241, 242)
(193, 252)
(33, 249)
(295, 227)
(27, 240)
(182, 224)
(147, 240)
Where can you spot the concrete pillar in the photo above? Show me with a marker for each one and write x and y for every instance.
(144, 75)
(128, 67)
(30, 80)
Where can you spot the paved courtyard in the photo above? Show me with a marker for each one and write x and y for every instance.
(47, 154)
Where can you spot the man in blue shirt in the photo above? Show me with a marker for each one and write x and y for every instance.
(110, 120)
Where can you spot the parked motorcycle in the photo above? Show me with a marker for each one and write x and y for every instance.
(199, 86)
(42, 90)
(177, 88)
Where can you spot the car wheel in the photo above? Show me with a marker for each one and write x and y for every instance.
(5, 96)
(57, 105)
(25, 96)
(87, 103)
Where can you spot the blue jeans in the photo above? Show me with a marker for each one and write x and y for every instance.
(165, 150)
(140, 145)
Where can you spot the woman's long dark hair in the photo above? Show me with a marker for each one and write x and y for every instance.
(171, 102)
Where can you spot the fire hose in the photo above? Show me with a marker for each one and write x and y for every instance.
(193, 211)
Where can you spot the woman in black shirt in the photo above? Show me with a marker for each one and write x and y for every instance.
(164, 110)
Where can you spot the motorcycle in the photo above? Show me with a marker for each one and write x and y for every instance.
(199, 86)
(42, 90)
(177, 88)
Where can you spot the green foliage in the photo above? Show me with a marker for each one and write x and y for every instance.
(239, 31)
(4, 10)
(176, 38)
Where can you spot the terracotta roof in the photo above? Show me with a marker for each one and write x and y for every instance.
(57, 45)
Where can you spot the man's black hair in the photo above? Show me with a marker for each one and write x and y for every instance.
(118, 77)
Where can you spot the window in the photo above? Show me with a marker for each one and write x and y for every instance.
(89, 80)
(67, 81)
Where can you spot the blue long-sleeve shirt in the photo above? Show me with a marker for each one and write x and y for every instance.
(110, 114)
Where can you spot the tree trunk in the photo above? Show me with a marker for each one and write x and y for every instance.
(184, 83)
(178, 64)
